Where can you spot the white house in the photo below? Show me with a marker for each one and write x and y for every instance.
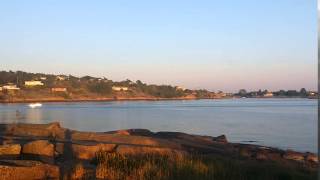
(60, 78)
(120, 88)
(10, 87)
(33, 83)
(180, 88)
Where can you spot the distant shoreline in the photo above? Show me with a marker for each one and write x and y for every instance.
(133, 99)
(99, 100)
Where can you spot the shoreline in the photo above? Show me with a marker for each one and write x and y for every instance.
(93, 100)
(49, 100)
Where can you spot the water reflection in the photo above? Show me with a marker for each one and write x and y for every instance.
(34, 116)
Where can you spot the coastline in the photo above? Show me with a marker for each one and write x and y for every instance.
(101, 100)
(48, 100)
(93, 100)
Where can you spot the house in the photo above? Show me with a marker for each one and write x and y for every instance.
(33, 83)
(43, 78)
(60, 78)
(268, 94)
(180, 88)
(120, 88)
(58, 89)
(10, 87)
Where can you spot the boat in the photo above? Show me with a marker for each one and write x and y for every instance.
(35, 105)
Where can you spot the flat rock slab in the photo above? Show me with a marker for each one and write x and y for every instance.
(27, 170)
(10, 149)
(41, 150)
(39, 147)
(51, 130)
(122, 139)
(82, 151)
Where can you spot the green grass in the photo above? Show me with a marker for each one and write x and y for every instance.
(155, 166)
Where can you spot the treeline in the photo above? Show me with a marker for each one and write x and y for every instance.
(281, 93)
(19, 77)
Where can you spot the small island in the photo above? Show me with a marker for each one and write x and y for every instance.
(49, 151)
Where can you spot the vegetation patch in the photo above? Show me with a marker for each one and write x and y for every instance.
(156, 166)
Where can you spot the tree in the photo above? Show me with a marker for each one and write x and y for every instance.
(303, 92)
(282, 93)
(242, 92)
(101, 88)
(202, 93)
(292, 93)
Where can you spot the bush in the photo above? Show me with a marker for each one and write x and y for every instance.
(101, 88)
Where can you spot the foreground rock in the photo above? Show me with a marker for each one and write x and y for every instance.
(40, 149)
(312, 158)
(83, 151)
(26, 170)
(54, 147)
(10, 150)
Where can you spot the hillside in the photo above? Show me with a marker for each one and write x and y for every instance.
(22, 86)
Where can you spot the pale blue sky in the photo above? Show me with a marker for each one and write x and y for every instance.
(214, 44)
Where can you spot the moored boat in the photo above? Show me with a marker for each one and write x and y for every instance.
(35, 105)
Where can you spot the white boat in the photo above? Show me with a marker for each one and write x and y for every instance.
(35, 105)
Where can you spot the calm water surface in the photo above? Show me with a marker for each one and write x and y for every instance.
(283, 123)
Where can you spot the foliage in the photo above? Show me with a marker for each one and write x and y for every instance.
(242, 92)
(162, 91)
(100, 88)
(202, 93)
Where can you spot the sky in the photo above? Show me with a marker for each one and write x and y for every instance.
(212, 44)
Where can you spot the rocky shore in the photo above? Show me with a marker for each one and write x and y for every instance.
(49, 151)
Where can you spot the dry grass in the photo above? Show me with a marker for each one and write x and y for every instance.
(115, 166)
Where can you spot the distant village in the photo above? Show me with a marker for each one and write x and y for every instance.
(22, 86)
